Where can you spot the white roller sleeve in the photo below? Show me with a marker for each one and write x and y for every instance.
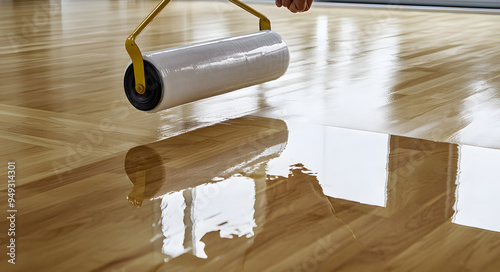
(205, 69)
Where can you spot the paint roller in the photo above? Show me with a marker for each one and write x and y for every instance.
(166, 78)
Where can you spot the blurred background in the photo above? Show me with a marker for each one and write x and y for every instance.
(443, 3)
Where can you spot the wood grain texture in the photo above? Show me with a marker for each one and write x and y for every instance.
(432, 78)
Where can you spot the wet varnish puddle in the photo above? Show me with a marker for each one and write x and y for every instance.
(254, 190)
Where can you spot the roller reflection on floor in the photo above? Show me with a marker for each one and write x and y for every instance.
(198, 157)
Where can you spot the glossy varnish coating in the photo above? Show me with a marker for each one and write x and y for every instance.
(296, 227)
(84, 155)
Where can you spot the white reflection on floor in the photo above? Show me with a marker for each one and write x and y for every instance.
(350, 164)
(226, 206)
(478, 193)
(356, 165)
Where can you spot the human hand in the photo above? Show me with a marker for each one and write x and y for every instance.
(295, 5)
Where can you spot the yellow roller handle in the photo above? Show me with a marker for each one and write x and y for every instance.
(136, 55)
(264, 23)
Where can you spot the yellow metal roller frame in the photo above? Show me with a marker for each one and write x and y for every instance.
(136, 55)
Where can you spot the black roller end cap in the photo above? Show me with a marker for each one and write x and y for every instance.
(152, 96)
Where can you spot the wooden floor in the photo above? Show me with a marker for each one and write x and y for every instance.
(378, 150)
